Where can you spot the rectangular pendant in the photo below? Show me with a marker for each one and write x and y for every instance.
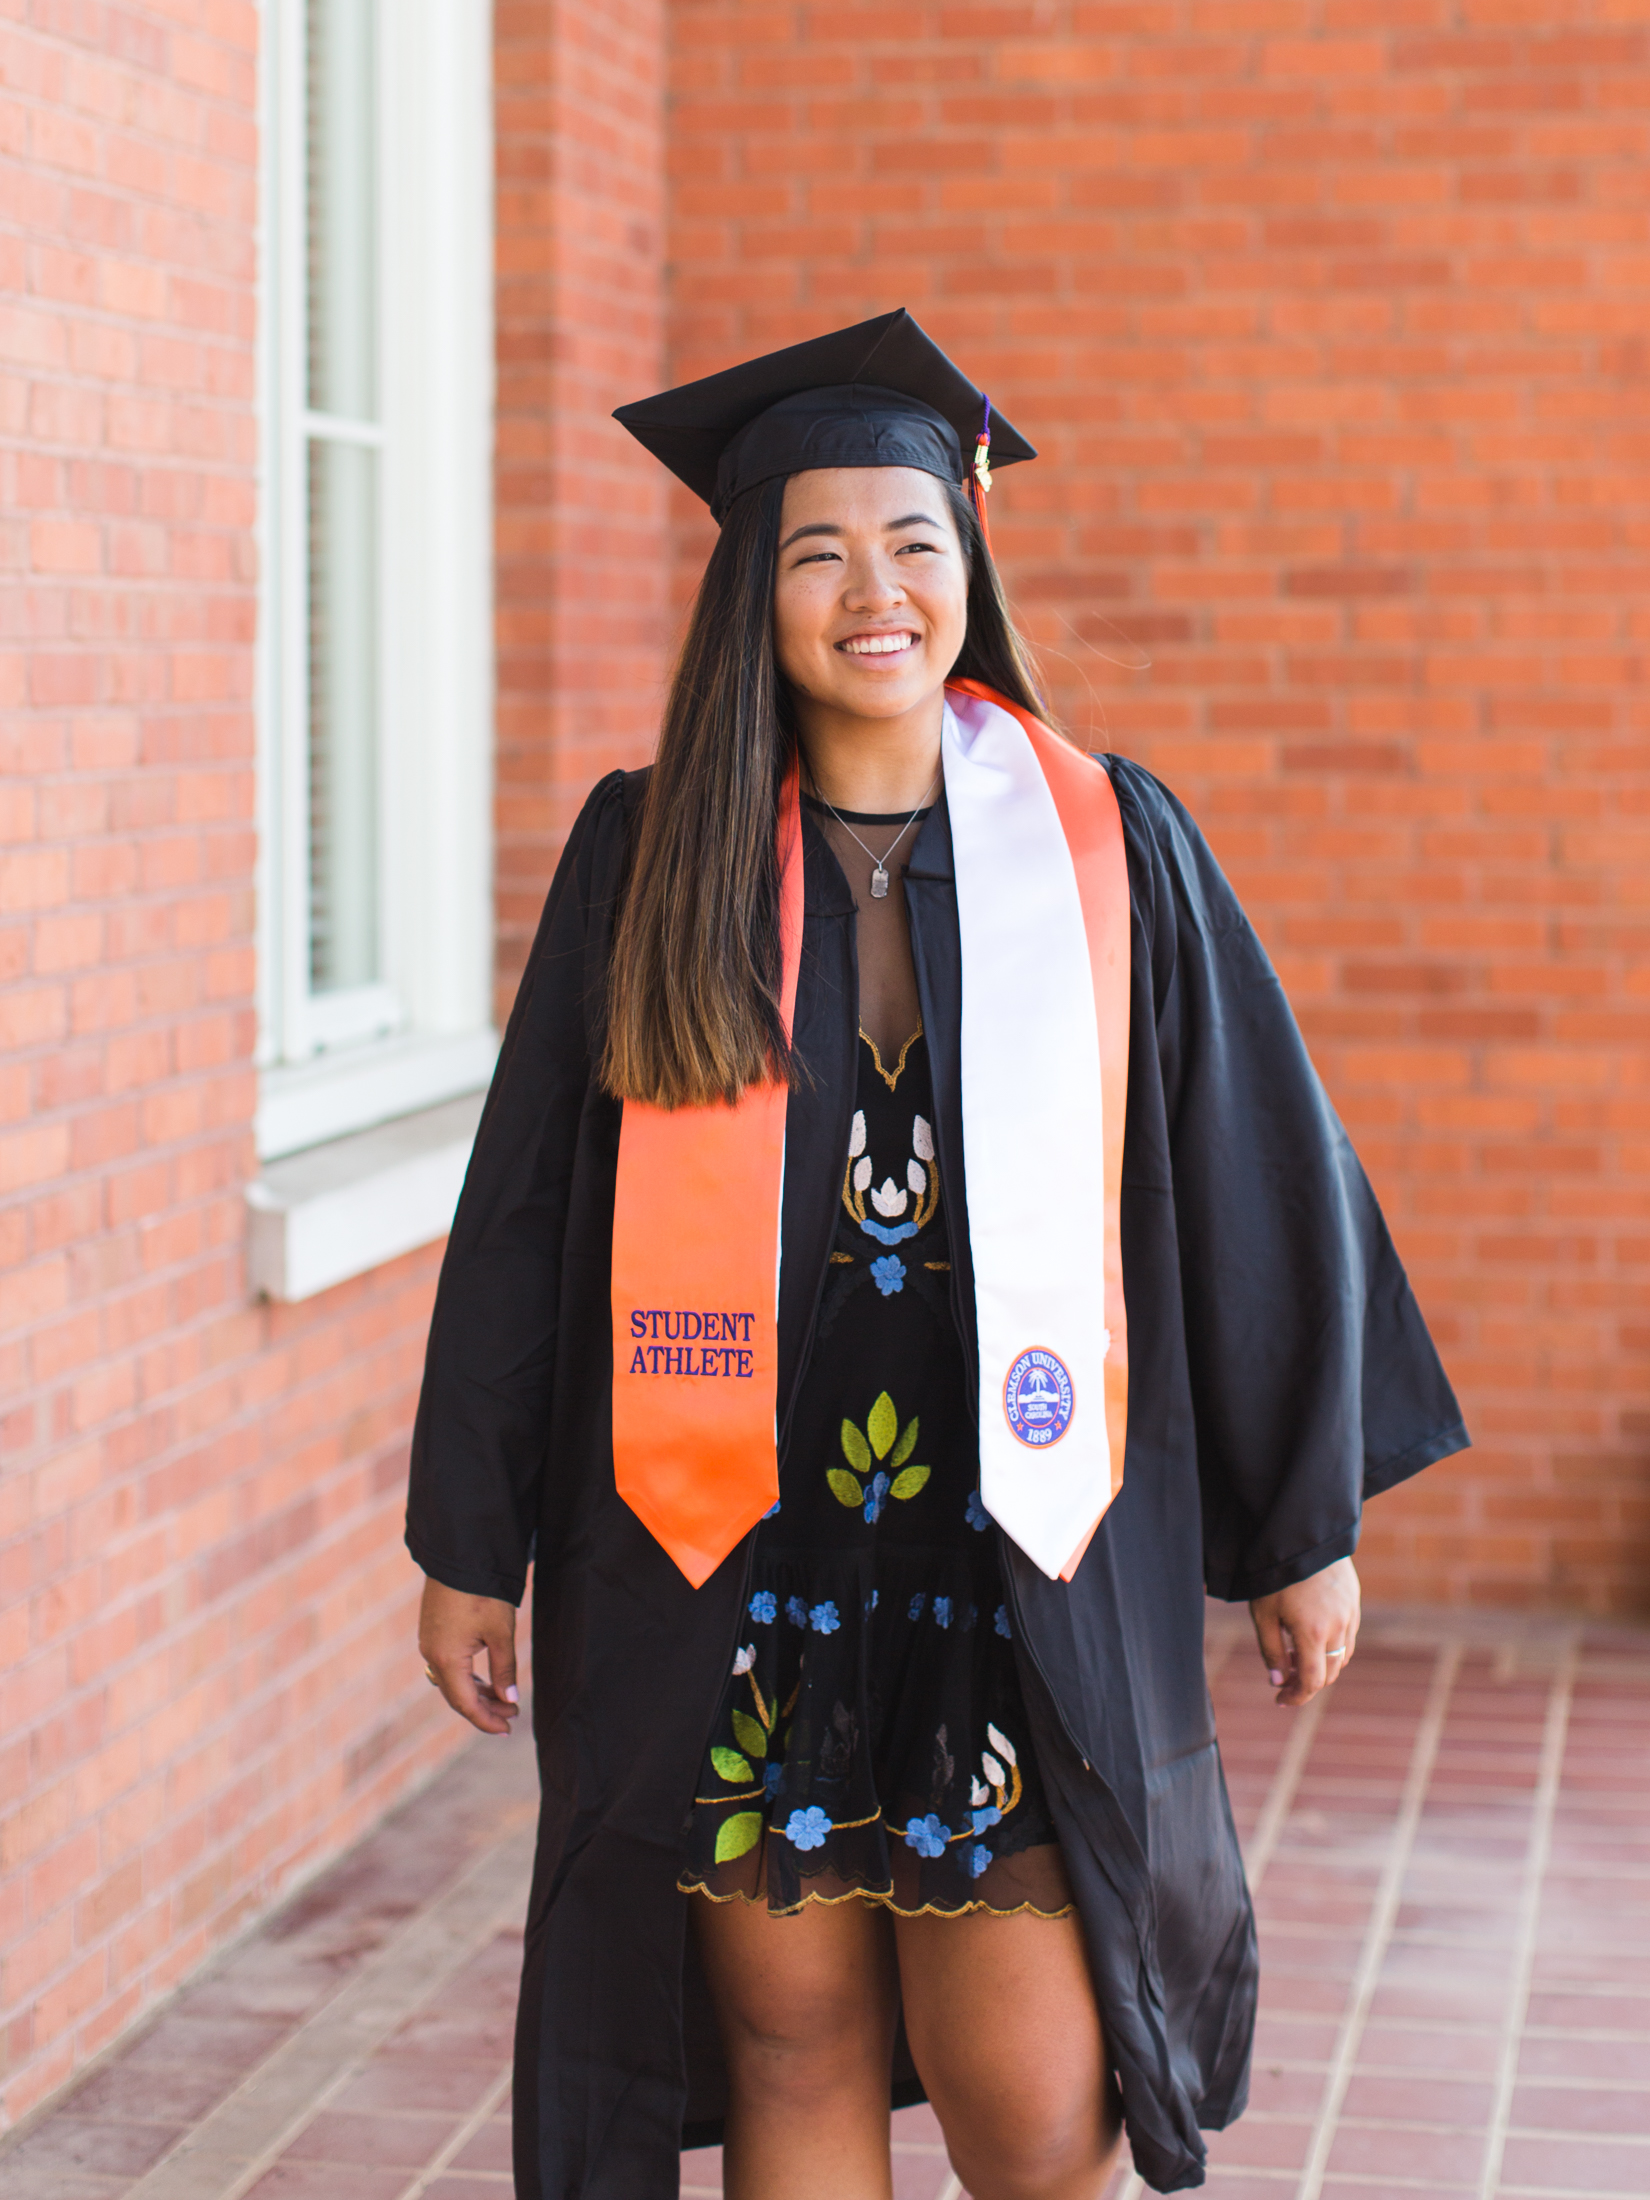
(879, 884)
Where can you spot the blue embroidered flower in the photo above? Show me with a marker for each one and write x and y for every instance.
(990, 1816)
(772, 1509)
(823, 1619)
(888, 1274)
(976, 1514)
(918, 1602)
(942, 1611)
(806, 1829)
(1001, 1623)
(926, 1835)
(772, 1777)
(978, 1858)
(764, 1605)
(876, 1497)
(796, 1611)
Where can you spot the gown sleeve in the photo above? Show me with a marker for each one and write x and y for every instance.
(480, 1438)
(1314, 1381)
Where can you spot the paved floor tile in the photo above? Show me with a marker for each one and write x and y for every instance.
(1416, 2099)
(1452, 1869)
(1621, 2112)
(116, 2148)
(1258, 2141)
(404, 2082)
(322, 2181)
(383, 2141)
(1622, 2062)
(1400, 2151)
(1593, 2166)
(489, 2149)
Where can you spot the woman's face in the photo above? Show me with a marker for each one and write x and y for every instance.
(871, 597)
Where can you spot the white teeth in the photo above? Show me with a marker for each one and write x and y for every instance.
(878, 645)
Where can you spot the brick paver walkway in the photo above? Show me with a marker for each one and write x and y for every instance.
(1452, 1861)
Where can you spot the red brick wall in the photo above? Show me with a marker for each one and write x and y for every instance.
(207, 1680)
(1329, 317)
(582, 564)
(205, 1684)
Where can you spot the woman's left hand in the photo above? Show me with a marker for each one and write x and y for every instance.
(1307, 1633)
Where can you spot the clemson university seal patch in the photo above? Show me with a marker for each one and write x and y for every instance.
(1038, 1402)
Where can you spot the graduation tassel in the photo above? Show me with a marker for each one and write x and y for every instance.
(979, 479)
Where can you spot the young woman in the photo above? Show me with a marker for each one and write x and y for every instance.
(877, 1755)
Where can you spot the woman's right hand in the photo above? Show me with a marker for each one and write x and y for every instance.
(452, 1628)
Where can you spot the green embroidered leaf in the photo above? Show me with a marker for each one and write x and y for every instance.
(855, 1449)
(882, 1425)
(737, 1835)
(749, 1735)
(730, 1766)
(844, 1488)
(912, 1480)
(906, 1445)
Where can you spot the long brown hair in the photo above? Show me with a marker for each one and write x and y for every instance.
(693, 986)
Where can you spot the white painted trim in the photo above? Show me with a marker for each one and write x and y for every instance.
(334, 428)
(436, 685)
(338, 1210)
(307, 1103)
(267, 659)
(438, 407)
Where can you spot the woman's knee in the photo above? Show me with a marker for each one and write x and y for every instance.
(1033, 2149)
(805, 2005)
(760, 2021)
(1046, 2136)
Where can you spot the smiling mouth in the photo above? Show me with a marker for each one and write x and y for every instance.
(878, 645)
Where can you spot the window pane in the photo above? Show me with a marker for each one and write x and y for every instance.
(341, 160)
(343, 715)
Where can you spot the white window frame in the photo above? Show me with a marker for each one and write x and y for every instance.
(331, 1065)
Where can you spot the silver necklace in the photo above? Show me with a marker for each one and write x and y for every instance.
(879, 873)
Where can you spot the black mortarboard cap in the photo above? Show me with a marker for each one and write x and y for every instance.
(879, 394)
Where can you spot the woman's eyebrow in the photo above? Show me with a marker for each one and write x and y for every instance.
(814, 527)
(829, 527)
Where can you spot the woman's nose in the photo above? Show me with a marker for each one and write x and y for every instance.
(872, 585)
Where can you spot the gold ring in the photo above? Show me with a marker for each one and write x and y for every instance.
(1340, 1653)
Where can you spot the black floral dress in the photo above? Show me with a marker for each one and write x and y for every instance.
(871, 1739)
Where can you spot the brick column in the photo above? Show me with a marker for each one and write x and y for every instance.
(582, 567)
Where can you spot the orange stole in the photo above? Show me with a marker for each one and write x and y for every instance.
(696, 1291)
(1093, 826)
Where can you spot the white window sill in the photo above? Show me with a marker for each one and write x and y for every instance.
(302, 1104)
(339, 1209)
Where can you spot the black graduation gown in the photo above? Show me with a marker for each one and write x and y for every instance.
(1280, 1373)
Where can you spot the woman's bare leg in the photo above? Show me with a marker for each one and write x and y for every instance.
(1001, 2019)
(806, 2006)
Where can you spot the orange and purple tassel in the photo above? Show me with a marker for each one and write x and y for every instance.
(979, 479)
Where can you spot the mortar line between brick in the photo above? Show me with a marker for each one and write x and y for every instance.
(1423, 1757)
(461, 2138)
(245, 2134)
(1560, 1698)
